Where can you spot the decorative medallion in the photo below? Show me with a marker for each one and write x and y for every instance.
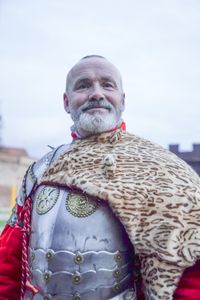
(80, 205)
(46, 199)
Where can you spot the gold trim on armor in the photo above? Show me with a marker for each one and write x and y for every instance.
(80, 205)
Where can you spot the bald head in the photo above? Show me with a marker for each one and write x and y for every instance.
(87, 61)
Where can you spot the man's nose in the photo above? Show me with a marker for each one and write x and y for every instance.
(96, 93)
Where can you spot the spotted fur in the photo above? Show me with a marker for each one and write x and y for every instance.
(155, 195)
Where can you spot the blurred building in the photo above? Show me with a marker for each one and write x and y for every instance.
(13, 165)
(191, 157)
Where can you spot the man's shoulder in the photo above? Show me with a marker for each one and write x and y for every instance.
(142, 145)
(43, 163)
(153, 153)
(140, 142)
(36, 170)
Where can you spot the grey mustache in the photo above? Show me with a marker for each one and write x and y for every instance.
(96, 103)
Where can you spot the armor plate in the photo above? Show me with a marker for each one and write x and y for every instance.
(74, 256)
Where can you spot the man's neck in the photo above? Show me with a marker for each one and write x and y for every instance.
(81, 134)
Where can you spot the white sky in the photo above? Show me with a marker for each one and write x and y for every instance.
(155, 44)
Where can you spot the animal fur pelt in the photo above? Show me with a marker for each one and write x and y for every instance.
(155, 195)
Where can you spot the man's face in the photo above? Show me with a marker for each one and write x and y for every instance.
(94, 96)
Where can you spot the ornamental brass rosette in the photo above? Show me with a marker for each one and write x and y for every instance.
(46, 199)
(80, 205)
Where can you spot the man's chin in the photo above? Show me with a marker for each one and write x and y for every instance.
(96, 121)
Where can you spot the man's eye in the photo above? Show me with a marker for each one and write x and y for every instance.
(81, 86)
(108, 85)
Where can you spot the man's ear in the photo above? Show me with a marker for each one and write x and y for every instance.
(66, 103)
(123, 102)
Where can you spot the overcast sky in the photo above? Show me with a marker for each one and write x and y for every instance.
(154, 43)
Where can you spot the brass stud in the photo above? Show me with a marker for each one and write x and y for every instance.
(118, 257)
(76, 279)
(47, 276)
(49, 254)
(78, 259)
(116, 273)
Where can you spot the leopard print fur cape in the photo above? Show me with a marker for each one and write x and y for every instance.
(155, 195)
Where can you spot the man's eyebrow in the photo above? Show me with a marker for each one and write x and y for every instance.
(80, 80)
(86, 79)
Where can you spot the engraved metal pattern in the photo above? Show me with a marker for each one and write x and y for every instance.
(46, 199)
(80, 205)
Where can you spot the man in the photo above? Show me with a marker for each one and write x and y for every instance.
(94, 214)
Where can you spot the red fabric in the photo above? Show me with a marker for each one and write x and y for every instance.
(10, 263)
(189, 285)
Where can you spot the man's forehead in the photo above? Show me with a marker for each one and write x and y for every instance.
(98, 66)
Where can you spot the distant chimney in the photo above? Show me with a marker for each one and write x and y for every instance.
(174, 148)
(196, 148)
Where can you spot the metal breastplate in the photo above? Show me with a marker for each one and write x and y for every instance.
(78, 248)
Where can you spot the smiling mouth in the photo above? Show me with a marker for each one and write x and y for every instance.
(96, 108)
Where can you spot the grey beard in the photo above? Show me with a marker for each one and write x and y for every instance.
(86, 124)
(91, 124)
